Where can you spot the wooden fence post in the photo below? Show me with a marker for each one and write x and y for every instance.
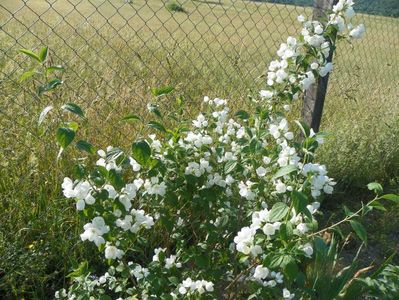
(313, 103)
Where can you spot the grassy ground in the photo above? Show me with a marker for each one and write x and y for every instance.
(114, 54)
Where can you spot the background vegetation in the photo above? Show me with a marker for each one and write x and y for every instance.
(114, 56)
(388, 8)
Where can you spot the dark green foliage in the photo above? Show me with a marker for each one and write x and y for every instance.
(174, 7)
(388, 8)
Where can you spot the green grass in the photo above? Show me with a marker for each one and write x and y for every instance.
(114, 54)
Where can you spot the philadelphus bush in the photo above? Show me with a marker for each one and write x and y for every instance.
(222, 208)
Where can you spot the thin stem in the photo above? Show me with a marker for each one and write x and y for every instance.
(348, 218)
(239, 275)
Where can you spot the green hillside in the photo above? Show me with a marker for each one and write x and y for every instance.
(376, 7)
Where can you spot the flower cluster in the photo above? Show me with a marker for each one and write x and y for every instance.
(225, 204)
(190, 287)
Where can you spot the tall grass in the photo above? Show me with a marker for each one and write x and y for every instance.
(113, 55)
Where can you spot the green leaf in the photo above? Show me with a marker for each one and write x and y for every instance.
(359, 230)
(291, 270)
(27, 75)
(79, 171)
(241, 114)
(347, 211)
(286, 230)
(304, 128)
(230, 166)
(156, 125)
(43, 114)
(65, 136)
(83, 269)
(243, 259)
(52, 69)
(116, 179)
(72, 125)
(85, 146)
(300, 201)
(73, 108)
(280, 261)
(30, 54)
(131, 118)
(376, 187)
(391, 197)
(51, 85)
(141, 152)
(43, 54)
(278, 211)
(162, 91)
(377, 205)
(285, 171)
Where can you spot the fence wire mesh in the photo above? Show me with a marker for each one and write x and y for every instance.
(114, 51)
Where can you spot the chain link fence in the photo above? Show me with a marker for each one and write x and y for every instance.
(115, 50)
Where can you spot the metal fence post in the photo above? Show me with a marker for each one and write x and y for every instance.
(314, 97)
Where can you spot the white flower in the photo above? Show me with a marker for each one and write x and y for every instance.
(281, 75)
(289, 135)
(328, 189)
(125, 223)
(308, 249)
(153, 186)
(261, 171)
(349, 12)
(287, 294)
(314, 65)
(111, 191)
(266, 94)
(302, 228)
(266, 160)
(269, 229)
(141, 220)
(102, 279)
(245, 190)
(94, 231)
(199, 286)
(301, 18)
(326, 69)
(135, 165)
(156, 253)
(90, 200)
(139, 272)
(357, 32)
(200, 122)
(244, 240)
(280, 187)
(308, 80)
(67, 188)
(318, 29)
(80, 205)
(313, 207)
(182, 290)
(256, 250)
(261, 272)
(111, 252)
(209, 286)
(171, 262)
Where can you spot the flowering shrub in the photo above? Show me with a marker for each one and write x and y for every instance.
(220, 207)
